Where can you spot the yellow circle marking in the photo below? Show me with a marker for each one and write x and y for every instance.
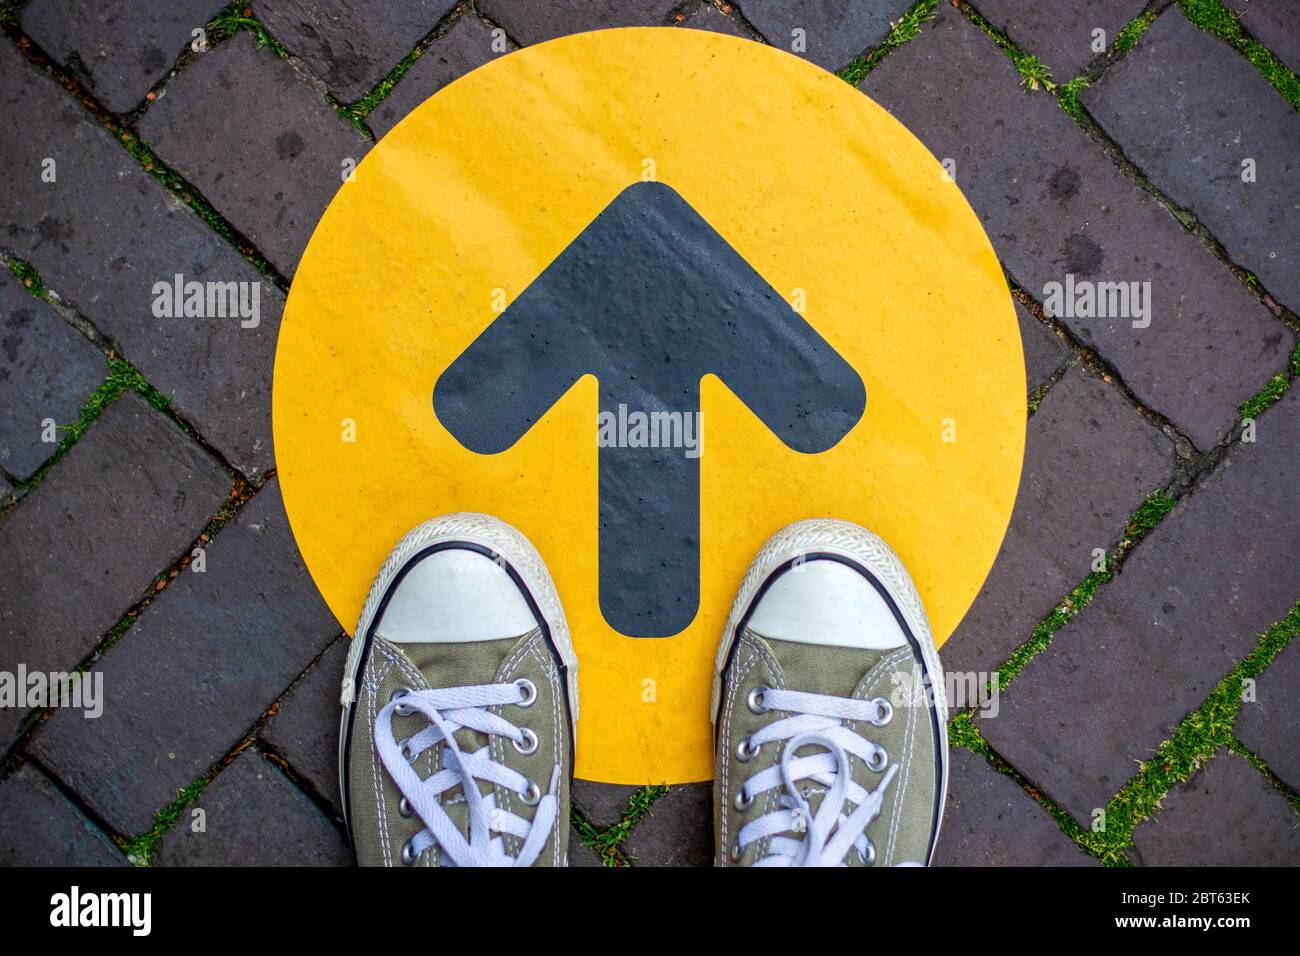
(815, 185)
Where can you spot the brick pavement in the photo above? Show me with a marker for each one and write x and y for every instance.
(1170, 448)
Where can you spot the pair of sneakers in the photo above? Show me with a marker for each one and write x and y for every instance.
(460, 698)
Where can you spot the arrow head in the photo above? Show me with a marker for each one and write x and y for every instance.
(649, 298)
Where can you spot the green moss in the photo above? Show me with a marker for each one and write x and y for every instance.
(1034, 75)
(1213, 17)
(141, 849)
(1068, 96)
(26, 273)
(239, 16)
(606, 843)
(122, 376)
(1274, 389)
(1128, 35)
(1147, 516)
(903, 29)
(358, 111)
(1195, 740)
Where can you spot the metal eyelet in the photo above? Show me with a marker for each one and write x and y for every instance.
(755, 700)
(742, 803)
(736, 852)
(404, 808)
(531, 795)
(878, 760)
(869, 857)
(401, 710)
(529, 744)
(409, 856)
(886, 712)
(744, 751)
(530, 692)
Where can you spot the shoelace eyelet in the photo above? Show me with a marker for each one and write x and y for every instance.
(755, 700)
(742, 803)
(530, 692)
(531, 794)
(886, 712)
(408, 854)
(869, 858)
(745, 752)
(529, 744)
(404, 808)
(736, 852)
(879, 758)
(401, 710)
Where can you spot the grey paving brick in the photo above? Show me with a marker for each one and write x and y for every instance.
(5, 487)
(253, 815)
(989, 820)
(527, 21)
(1090, 461)
(201, 665)
(1274, 23)
(1053, 204)
(1190, 602)
(305, 728)
(830, 33)
(351, 46)
(677, 831)
(1060, 34)
(43, 828)
(466, 45)
(282, 148)
(1044, 349)
(705, 16)
(1188, 109)
(83, 546)
(580, 855)
(1227, 814)
(104, 233)
(47, 371)
(1270, 724)
(118, 48)
(602, 804)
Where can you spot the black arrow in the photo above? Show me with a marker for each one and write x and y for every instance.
(649, 298)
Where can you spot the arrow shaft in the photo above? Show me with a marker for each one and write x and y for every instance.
(649, 512)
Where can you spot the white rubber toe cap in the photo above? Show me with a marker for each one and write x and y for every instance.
(826, 602)
(455, 596)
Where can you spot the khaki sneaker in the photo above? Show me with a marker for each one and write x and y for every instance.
(828, 707)
(459, 701)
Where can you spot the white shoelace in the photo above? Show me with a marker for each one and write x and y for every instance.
(828, 836)
(448, 711)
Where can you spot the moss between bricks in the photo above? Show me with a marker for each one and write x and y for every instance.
(1213, 17)
(122, 376)
(1275, 388)
(1129, 34)
(606, 843)
(1195, 740)
(901, 30)
(1148, 515)
(238, 16)
(1034, 75)
(140, 850)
